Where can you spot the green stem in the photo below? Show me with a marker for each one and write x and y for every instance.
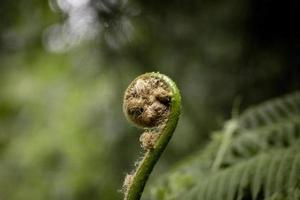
(142, 173)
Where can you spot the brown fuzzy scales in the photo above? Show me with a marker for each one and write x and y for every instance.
(148, 140)
(147, 101)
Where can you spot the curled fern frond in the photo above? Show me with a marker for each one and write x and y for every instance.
(153, 102)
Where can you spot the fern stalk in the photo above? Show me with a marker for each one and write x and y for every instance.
(152, 101)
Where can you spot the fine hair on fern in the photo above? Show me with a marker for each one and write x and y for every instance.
(152, 102)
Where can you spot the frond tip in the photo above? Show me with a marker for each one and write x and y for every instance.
(147, 101)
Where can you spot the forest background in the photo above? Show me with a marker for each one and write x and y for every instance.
(64, 65)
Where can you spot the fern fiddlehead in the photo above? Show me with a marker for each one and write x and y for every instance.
(153, 102)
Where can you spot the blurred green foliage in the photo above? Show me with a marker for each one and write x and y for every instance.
(65, 64)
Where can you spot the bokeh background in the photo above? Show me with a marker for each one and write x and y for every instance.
(64, 65)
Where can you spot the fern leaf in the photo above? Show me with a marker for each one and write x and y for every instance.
(222, 190)
(240, 180)
(272, 111)
(260, 161)
(259, 175)
(294, 176)
(272, 171)
(233, 182)
(211, 190)
(245, 180)
(280, 181)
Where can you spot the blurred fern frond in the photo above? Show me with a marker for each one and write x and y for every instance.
(255, 156)
(261, 177)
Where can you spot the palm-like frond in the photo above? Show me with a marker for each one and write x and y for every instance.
(256, 156)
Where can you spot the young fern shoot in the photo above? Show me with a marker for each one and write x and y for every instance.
(152, 102)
